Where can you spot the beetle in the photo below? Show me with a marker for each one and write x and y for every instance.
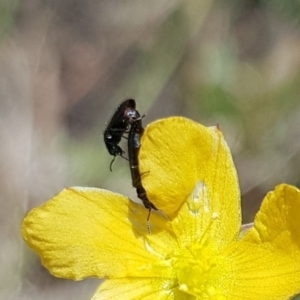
(127, 119)
(124, 115)
(135, 133)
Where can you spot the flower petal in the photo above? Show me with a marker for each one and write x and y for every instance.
(140, 289)
(84, 232)
(265, 264)
(183, 161)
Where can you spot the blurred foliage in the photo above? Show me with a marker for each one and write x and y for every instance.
(285, 11)
(7, 15)
(288, 11)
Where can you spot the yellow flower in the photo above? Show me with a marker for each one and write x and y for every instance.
(194, 250)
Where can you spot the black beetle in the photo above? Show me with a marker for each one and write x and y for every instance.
(124, 115)
(127, 119)
(135, 133)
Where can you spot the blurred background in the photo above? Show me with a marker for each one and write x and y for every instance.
(66, 65)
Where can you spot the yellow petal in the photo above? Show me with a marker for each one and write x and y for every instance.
(265, 264)
(182, 160)
(278, 218)
(140, 289)
(84, 232)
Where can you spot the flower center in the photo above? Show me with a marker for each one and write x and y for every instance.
(198, 266)
(197, 271)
